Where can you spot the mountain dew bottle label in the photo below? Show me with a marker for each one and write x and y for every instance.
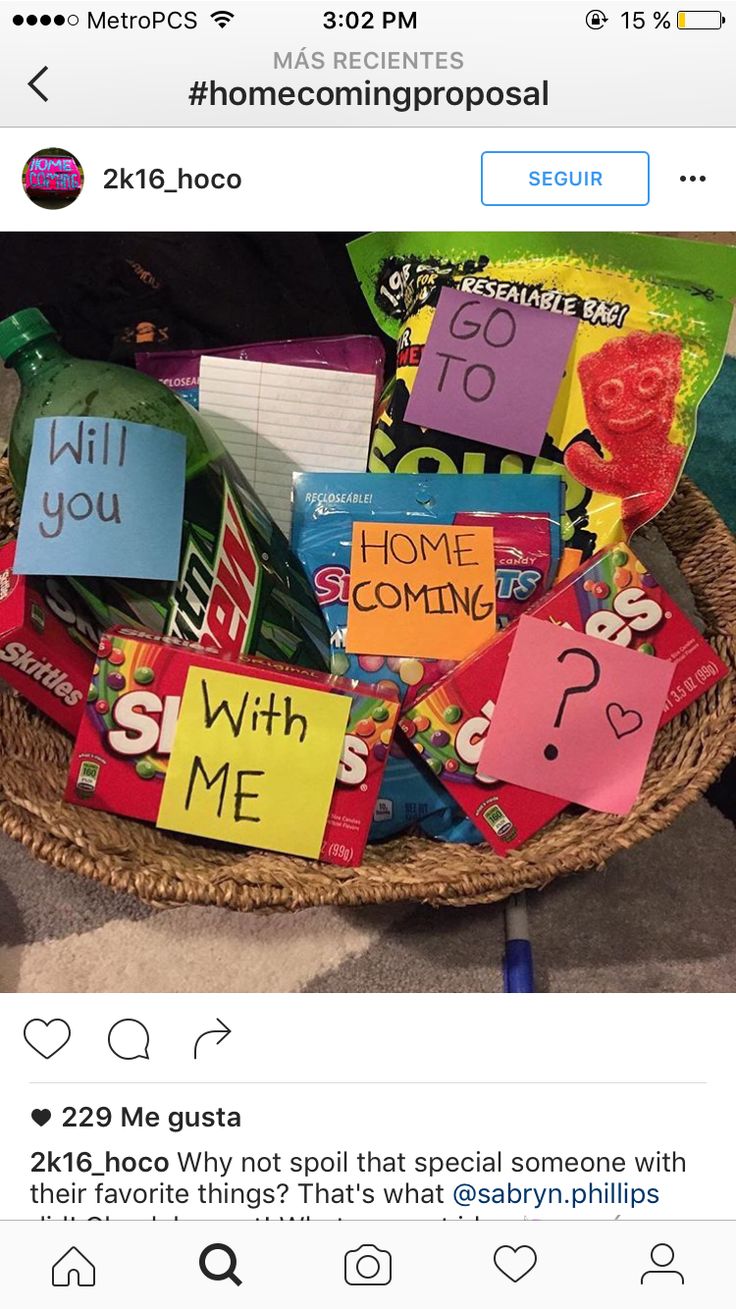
(240, 588)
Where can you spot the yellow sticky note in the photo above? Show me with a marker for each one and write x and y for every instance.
(254, 761)
(421, 589)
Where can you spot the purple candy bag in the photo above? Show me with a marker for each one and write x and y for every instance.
(179, 369)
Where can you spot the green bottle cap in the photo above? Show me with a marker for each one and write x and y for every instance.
(23, 328)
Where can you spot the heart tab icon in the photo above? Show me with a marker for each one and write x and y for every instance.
(41, 1116)
(515, 1261)
(47, 1038)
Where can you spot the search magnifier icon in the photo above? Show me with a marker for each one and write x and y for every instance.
(219, 1272)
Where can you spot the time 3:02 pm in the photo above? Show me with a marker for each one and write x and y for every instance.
(366, 20)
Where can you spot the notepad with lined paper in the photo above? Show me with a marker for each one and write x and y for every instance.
(276, 419)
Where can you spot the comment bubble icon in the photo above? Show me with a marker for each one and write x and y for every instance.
(128, 1039)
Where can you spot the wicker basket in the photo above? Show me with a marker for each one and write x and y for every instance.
(129, 856)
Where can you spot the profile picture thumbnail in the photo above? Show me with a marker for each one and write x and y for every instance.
(53, 178)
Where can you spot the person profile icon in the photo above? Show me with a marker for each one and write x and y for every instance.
(662, 1256)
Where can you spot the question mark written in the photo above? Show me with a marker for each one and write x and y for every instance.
(551, 751)
(284, 1189)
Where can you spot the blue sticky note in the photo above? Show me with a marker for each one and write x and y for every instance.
(103, 498)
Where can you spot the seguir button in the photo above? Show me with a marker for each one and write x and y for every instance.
(520, 178)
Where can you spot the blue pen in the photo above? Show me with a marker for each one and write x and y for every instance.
(518, 964)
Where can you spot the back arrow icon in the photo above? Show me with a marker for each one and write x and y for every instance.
(33, 81)
(220, 1032)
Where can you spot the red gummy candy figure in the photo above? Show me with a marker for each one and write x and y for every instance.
(629, 390)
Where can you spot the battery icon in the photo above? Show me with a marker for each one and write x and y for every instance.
(700, 19)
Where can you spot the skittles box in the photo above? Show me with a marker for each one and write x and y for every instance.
(38, 656)
(613, 597)
(127, 732)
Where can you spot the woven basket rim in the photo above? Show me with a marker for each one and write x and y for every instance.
(164, 870)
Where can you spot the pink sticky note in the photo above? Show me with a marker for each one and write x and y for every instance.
(575, 717)
(490, 371)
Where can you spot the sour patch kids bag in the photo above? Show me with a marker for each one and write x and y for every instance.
(653, 317)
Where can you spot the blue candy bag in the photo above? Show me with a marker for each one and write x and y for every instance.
(325, 507)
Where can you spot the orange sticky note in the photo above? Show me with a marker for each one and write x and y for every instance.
(419, 589)
(571, 559)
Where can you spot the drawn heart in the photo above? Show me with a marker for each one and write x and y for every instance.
(47, 1038)
(515, 1261)
(623, 721)
(41, 1116)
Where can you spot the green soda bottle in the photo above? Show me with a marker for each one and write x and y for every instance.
(56, 384)
(240, 588)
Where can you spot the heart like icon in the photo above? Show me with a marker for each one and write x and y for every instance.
(623, 721)
(515, 1261)
(47, 1038)
(41, 1116)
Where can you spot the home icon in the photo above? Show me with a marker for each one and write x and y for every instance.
(73, 1267)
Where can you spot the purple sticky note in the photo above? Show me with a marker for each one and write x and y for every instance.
(490, 371)
(576, 716)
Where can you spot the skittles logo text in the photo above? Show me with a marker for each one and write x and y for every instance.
(214, 602)
(632, 611)
(470, 737)
(145, 723)
(517, 583)
(53, 679)
(332, 585)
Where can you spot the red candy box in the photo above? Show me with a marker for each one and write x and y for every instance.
(125, 738)
(613, 597)
(38, 657)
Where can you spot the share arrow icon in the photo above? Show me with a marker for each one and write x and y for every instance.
(220, 1032)
(34, 79)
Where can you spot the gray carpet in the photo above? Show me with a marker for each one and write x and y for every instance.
(661, 917)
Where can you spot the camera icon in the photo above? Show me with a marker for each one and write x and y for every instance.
(367, 1266)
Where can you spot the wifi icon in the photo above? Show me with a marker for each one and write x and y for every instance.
(222, 17)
